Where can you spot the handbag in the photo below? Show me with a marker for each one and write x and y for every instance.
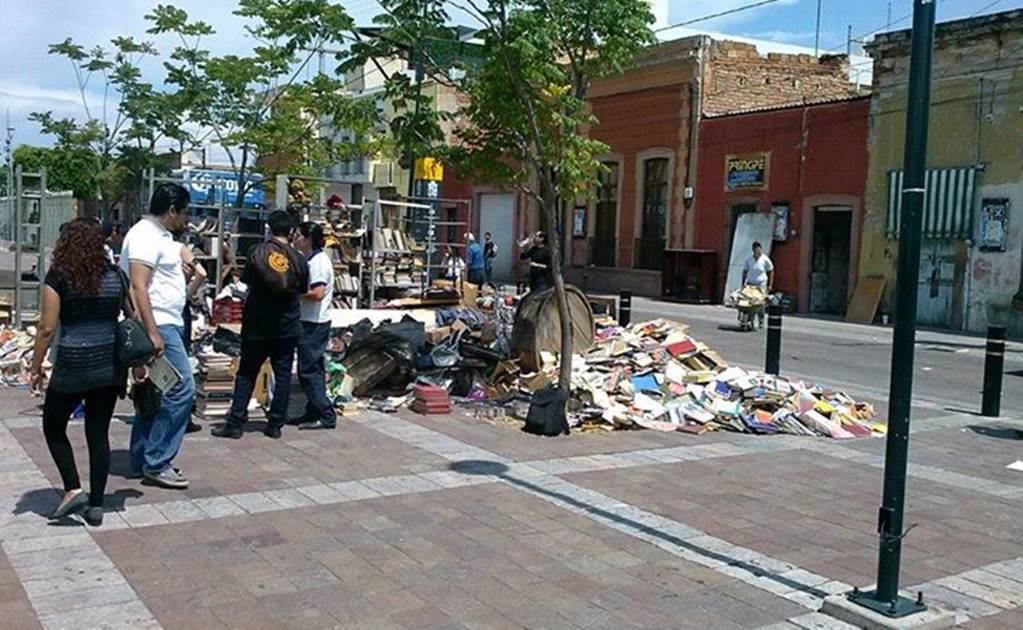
(134, 347)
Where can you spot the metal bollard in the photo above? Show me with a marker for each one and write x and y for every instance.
(625, 308)
(991, 403)
(773, 339)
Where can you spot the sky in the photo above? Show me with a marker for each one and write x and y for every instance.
(31, 80)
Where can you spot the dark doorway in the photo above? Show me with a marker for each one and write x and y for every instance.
(655, 213)
(829, 268)
(603, 247)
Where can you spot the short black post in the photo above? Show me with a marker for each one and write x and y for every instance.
(993, 364)
(773, 339)
(625, 308)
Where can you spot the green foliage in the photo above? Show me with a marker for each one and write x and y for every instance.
(258, 104)
(100, 158)
(66, 167)
(527, 115)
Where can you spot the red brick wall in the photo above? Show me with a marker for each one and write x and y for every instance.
(835, 164)
(634, 122)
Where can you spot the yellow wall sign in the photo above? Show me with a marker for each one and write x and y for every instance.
(429, 169)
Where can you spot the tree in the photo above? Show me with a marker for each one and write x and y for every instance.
(119, 138)
(66, 168)
(259, 105)
(526, 117)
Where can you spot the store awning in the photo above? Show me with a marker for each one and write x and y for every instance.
(948, 202)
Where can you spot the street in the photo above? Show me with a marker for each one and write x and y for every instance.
(856, 358)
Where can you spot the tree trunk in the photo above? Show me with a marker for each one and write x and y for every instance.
(550, 203)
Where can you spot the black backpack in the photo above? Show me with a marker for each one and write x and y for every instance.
(278, 266)
(547, 412)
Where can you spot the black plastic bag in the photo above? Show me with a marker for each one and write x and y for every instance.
(147, 398)
(227, 342)
(547, 412)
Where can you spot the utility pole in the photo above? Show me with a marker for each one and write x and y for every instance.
(417, 63)
(9, 160)
(817, 32)
(885, 599)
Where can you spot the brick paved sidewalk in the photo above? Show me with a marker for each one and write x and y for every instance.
(450, 522)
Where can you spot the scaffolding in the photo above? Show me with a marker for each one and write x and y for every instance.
(418, 221)
(228, 228)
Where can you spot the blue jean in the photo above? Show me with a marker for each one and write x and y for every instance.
(156, 440)
(488, 271)
(312, 373)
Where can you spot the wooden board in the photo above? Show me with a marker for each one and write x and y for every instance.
(865, 300)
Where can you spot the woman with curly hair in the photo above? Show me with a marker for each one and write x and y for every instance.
(85, 293)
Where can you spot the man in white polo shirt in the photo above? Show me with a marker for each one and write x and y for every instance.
(152, 259)
(312, 344)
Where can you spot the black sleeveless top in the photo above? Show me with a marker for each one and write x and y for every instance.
(85, 358)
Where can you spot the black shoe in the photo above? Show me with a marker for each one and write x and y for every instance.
(193, 427)
(71, 506)
(93, 516)
(227, 431)
(314, 426)
(294, 422)
(272, 432)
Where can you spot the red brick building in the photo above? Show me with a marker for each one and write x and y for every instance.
(813, 163)
(650, 119)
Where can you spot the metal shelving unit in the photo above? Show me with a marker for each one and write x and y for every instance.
(28, 238)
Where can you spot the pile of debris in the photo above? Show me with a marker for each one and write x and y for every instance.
(16, 355)
(653, 375)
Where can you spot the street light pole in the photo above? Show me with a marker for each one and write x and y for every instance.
(886, 598)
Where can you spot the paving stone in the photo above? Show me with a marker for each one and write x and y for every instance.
(990, 594)
(218, 507)
(289, 498)
(255, 502)
(354, 490)
(963, 606)
(322, 494)
(143, 516)
(126, 616)
(819, 621)
(181, 511)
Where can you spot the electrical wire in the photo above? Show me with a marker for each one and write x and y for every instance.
(717, 15)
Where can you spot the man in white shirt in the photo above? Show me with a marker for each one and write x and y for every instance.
(316, 320)
(152, 260)
(759, 272)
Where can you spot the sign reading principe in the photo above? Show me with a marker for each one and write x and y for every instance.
(747, 172)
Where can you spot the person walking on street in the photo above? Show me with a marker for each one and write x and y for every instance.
(312, 344)
(85, 293)
(151, 258)
(474, 261)
(535, 250)
(489, 254)
(759, 272)
(277, 276)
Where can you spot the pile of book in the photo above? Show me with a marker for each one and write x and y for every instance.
(430, 399)
(216, 384)
(653, 375)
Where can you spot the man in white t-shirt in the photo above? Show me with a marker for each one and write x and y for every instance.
(316, 319)
(759, 272)
(152, 260)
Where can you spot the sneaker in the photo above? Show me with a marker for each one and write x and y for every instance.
(273, 433)
(193, 427)
(314, 426)
(93, 516)
(169, 478)
(227, 431)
